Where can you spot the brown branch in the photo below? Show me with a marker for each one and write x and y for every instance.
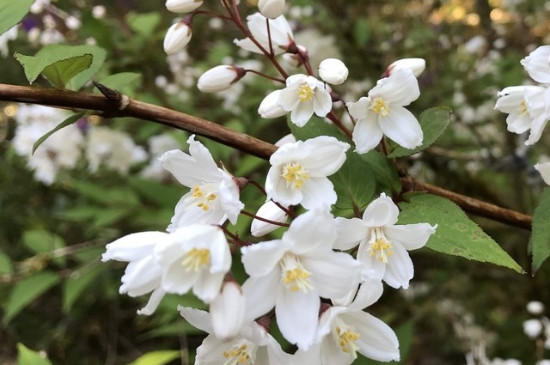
(113, 107)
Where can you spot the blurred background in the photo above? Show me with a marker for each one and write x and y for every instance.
(100, 179)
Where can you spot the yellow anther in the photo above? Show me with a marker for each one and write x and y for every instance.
(379, 246)
(195, 259)
(294, 275)
(523, 107)
(294, 175)
(346, 340)
(240, 354)
(380, 106)
(204, 195)
(305, 93)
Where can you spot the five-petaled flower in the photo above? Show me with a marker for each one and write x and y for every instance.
(382, 244)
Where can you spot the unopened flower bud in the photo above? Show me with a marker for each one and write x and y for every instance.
(271, 8)
(269, 107)
(544, 169)
(177, 37)
(270, 211)
(416, 65)
(182, 6)
(219, 78)
(227, 310)
(532, 328)
(333, 71)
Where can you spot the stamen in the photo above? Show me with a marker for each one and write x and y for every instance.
(204, 195)
(195, 259)
(294, 174)
(380, 246)
(346, 338)
(294, 275)
(305, 93)
(380, 106)
(242, 353)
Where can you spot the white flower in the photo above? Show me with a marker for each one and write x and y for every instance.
(114, 149)
(537, 64)
(227, 311)
(535, 307)
(293, 272)
(527, 107)
(158, 145)
(219, 78)
(279, 29)
(269, 210)
(298, 173)
(195, 256)
(177, 37)
(304, 95)
(182, 6)
(333, 71)
(143, 274)
(416, 65)
(214, 195)
(252, 345)
(271, 8)
(269, 107)
(382, 112)
(382, 244)
(544, 169)
(532, 328)
(346, 330)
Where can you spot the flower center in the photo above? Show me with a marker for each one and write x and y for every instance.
(346, 337)
(379, 245)
(294, 275)
(523, 107)
(195, 259)
(242, 353)
(204, 195)
(294, 174)
(305, 93)
(380, 106)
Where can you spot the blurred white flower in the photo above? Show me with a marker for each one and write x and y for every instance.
(5, 37)
(382, 112)
(158, 145)
(298, 173)
(219, 78)
(113, 149)
(183, 6)
(177, 37)
(535, 307)
(532, 328)
(537, 64)
(333, 71)
(383, 245)
(416, 65)
(271, 8)
(303, 96)
(279, 29)
(214, 195)
(544, 169)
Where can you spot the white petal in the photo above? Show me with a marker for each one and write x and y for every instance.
(537, 126)
(350, 233)
(544, 169)
(152, 303)
(288, 99)
(310, 231)
(229, 197)
(269, 210)
(260, 259)
(318, 193)
(197, 318)
(537, 65)
(297, 314)
(358, 110)
(401, 126)
(368, 294)
(381, 212)
(277, 188)
(410, 236)
(332, 354)
(133, 246)
(399, 269)
(400, 88)
(377, 340)
(227, 311)
(207, 286)
(247, 45)
(260, 293)
(328, 155)
(141, 277)
(373, 267)
(333, 274)
(367, 133)
(301, 114)
(322, 102)
(177, 280)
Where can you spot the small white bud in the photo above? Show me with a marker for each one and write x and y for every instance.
(333, 71)
(271, 8)
(535, 307)
(416, 65)
(219, 78)
(99, 11)
(544, 169)
(227, 310)
(270, 211)
(72, 22)
(182, 6)
(177, 37)
(269, 107)
(532, 328)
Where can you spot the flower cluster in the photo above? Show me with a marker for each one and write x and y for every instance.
(528, 106)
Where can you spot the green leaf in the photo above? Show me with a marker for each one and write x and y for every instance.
(161, 194)
(354, 183)
(42, 241)
(63, 65)
(143, 24)
(433, 121)
(26, 291)
(540, 237)
(315, 127)
(26, 356)
(384, 171)
(70, 120)
(76, 283)
(12, 12)
(156, 358)
(118, 81)
(456, 234)
(6, 266)
(106, 196)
